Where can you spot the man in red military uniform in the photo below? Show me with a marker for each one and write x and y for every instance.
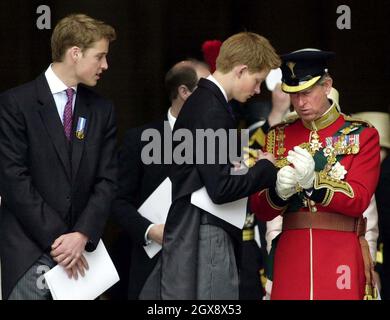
(329, 168)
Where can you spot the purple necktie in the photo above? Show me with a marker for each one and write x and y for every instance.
(68, 113)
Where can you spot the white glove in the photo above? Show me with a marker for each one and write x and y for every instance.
(304, 166)
(286, 182)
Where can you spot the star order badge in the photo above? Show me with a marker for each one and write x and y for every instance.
(80, 129)
(338, 171)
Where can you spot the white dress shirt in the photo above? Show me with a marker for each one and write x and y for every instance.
(212, 79)
(171, 119)
(57, 88)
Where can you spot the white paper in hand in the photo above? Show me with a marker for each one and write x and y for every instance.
(156, 208)
(231, 212)
(100, 276)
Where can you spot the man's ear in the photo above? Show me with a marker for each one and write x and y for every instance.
(328, 85)
(75, 53)
(240, 70)
(183, 92)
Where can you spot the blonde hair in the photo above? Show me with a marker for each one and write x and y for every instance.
(247, 48)
(78, 30)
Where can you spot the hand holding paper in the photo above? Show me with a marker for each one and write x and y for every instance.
(67, 252)
(100, 276)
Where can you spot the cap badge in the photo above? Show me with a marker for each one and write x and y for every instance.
(291, 66)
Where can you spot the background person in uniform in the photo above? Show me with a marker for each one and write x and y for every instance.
(198, 260)
(57, 161)
(320, 189)
(382, 195)
(138, 180)
(381, 121)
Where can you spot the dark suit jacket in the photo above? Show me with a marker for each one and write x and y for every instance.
(136, 182)
(48, 186)
(206, 108)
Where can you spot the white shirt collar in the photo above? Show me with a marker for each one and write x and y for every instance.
(171, 119)
(55, 84)
(212, 79)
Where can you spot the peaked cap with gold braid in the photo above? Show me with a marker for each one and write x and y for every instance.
(301, 69)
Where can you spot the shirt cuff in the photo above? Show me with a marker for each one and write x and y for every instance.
(147, 240)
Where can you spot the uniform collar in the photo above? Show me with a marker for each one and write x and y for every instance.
(329, 117)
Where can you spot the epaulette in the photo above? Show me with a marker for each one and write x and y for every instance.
(288, 120)
(358, 121)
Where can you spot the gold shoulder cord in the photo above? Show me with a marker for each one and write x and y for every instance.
(270, 147)
(281, 161)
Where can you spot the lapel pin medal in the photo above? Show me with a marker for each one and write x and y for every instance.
(80, 129)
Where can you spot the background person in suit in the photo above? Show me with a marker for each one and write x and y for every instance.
(198, 260)
(138, 180)
(57, 155)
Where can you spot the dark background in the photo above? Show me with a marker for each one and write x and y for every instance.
(154, 34)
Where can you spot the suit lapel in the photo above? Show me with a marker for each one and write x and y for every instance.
(52, 122)
(82, 110)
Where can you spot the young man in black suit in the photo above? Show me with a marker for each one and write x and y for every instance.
(138, 180)
(198, 259)
(57, 161)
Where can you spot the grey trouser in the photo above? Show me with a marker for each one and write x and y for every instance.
(32, 285)
(217, 269)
